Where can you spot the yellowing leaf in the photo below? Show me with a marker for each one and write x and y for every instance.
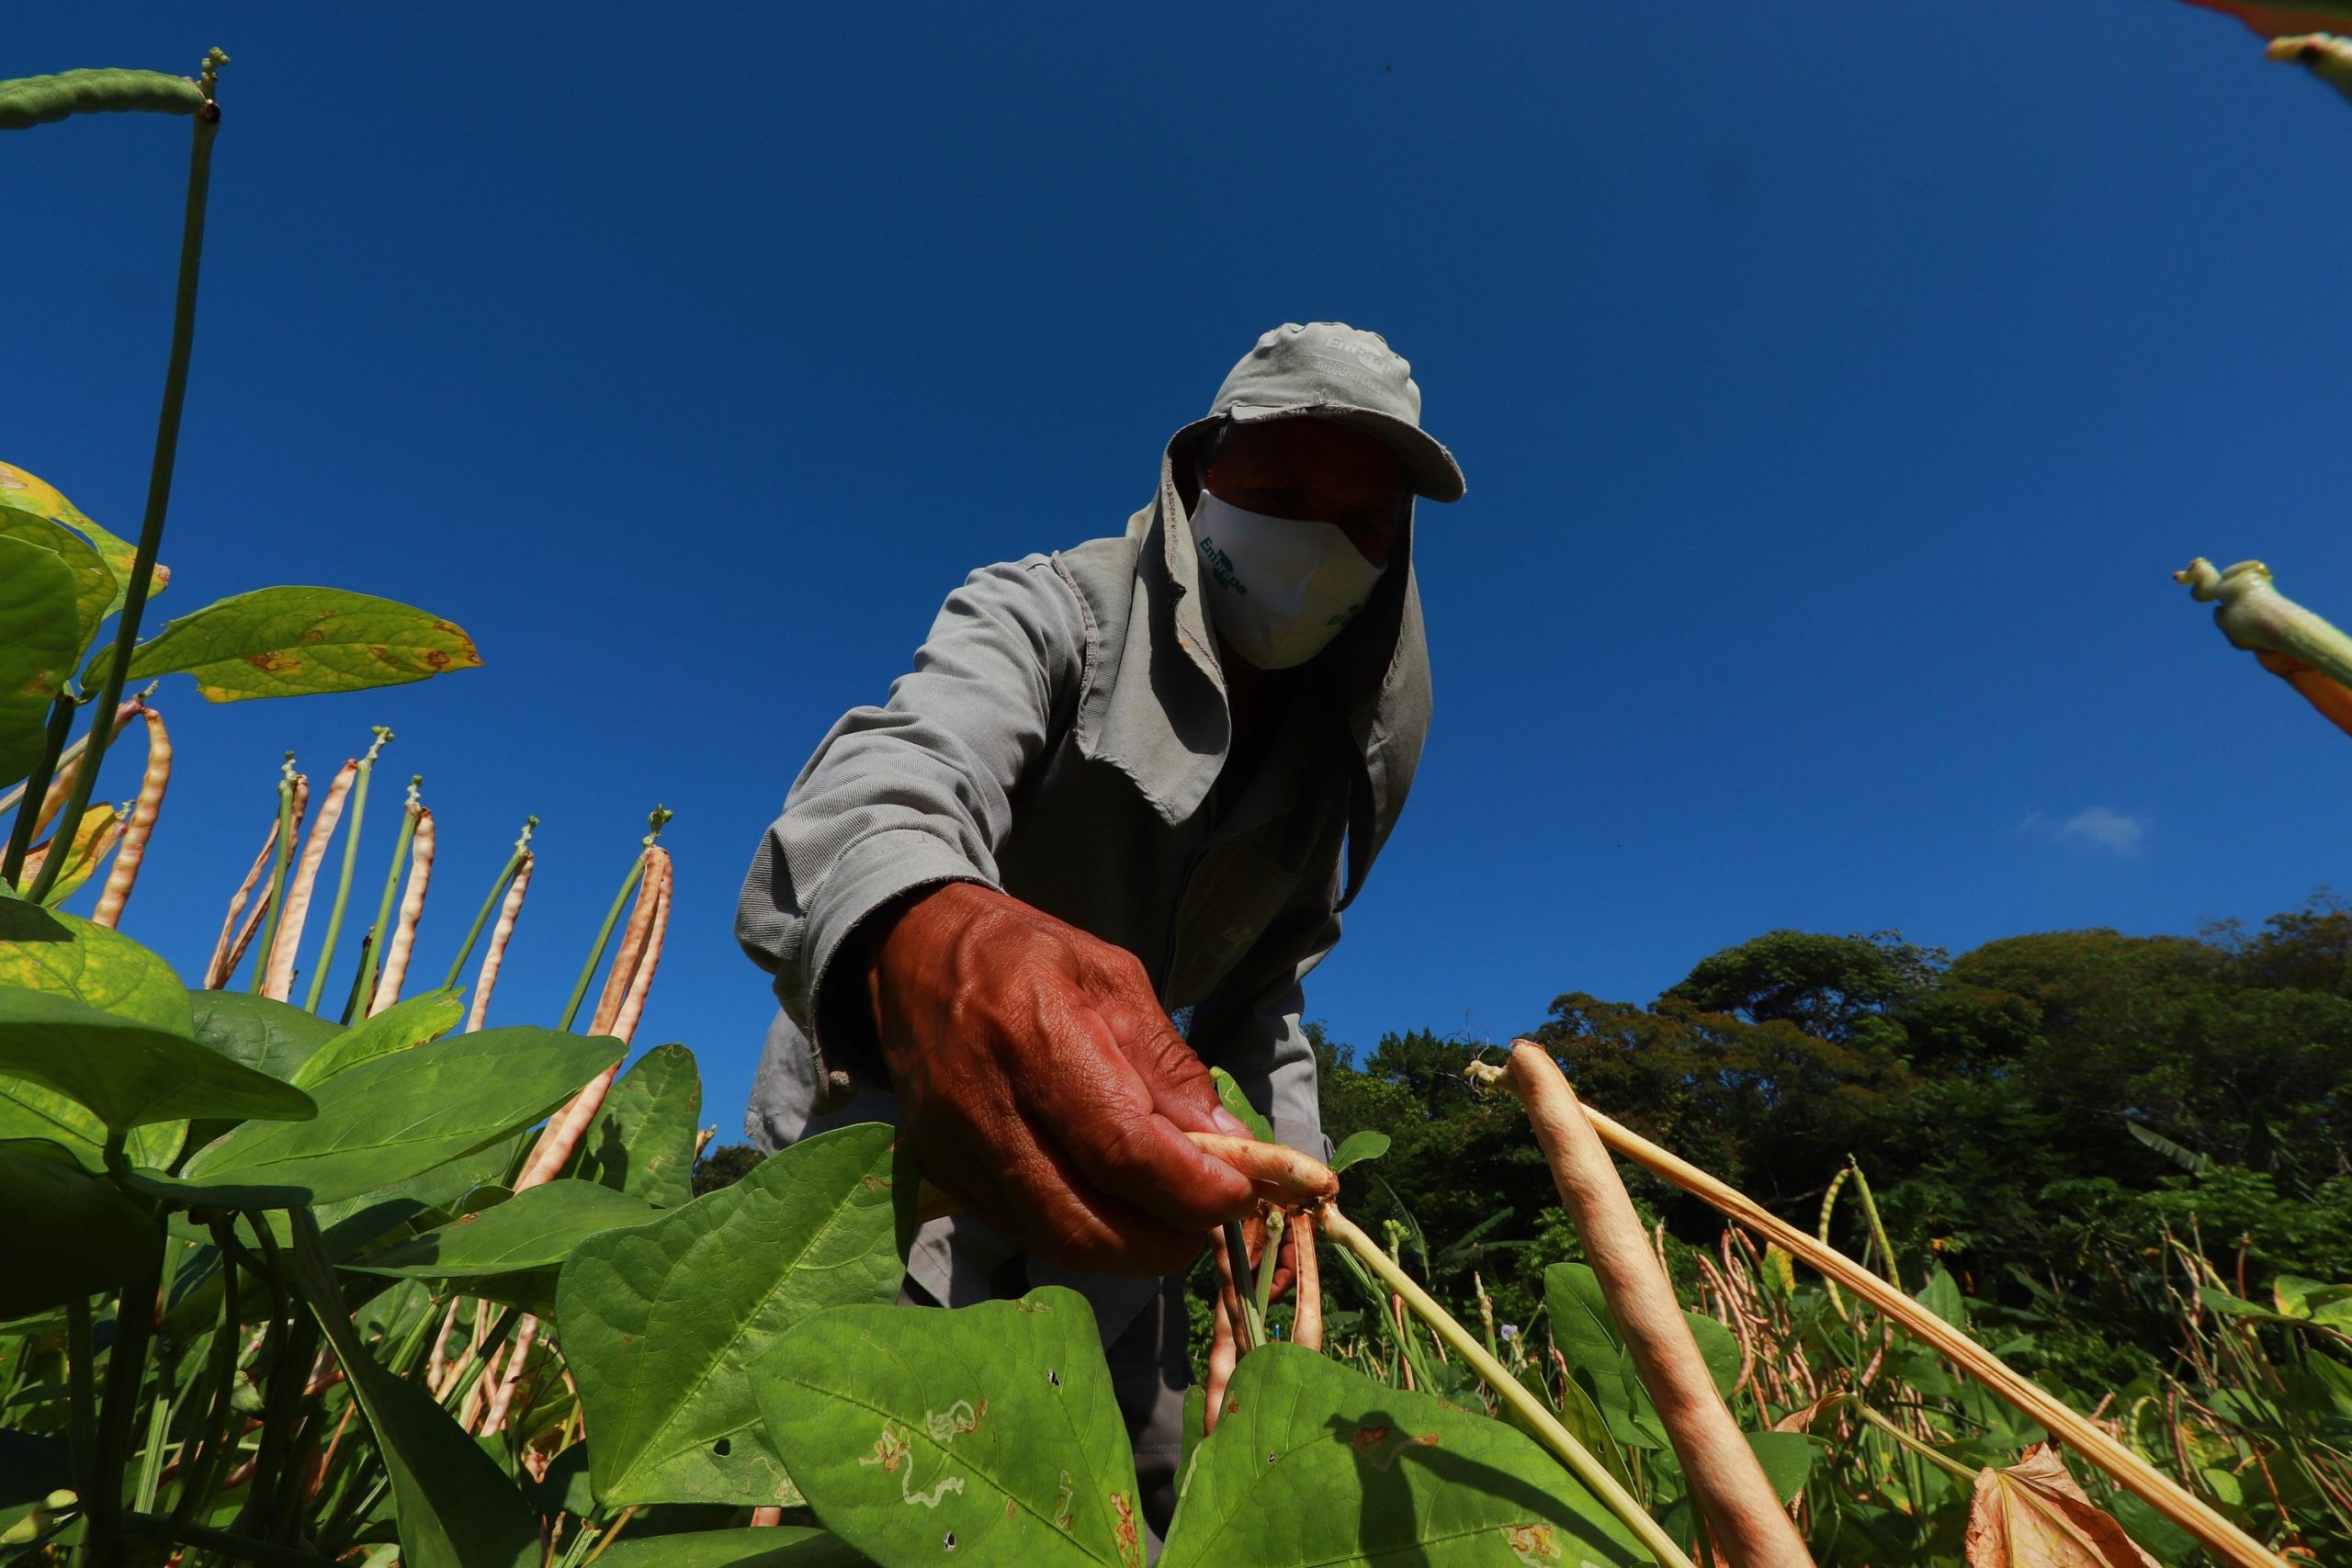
(2032, 1514)
(92, 838)
(285, 642)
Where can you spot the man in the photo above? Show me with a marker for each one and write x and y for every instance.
(1131, 780)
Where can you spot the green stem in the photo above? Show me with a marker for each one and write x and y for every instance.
(497, 890)
(276, 891)
(1266, 1260)
(382, 932)
(159, 481)
(350, 861)
(134, 1325)
(363, 979)
(1913, 1445)
(1536, 1417)
(1877, 1226)
(202, 1458)
(603, 938)
(454, 1396)
(243, 1547)
(20, 833)
(82, 1419)
(159, 1413)
(1237, 1258)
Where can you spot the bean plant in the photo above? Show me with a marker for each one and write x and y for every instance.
(366, 1279)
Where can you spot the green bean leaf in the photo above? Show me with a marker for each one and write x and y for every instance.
(400, 1026)
(643, 1140)
(770, 1546)
(128, 1073)
(94, 581)
(40, 640)
(990, 1431)
(535, 1228)
(287, 642)
(1357, 1147)
(86, 1234)
(456, 1507)
(1229, 1095)
(1427, 1482)
(662, 1321)
(398, 1116)
(268, 1036)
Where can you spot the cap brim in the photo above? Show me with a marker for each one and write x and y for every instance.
(1428, 463)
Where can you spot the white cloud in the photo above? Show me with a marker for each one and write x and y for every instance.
(2097, 827)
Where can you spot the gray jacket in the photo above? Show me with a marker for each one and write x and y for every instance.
(1057, 739)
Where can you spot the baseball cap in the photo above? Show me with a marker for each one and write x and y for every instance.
(1331, 370)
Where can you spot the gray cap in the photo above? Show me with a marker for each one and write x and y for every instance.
(1331, 370)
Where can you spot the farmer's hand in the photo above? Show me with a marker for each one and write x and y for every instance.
(1044, 1086)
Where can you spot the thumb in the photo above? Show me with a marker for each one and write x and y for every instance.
(1181, 1089)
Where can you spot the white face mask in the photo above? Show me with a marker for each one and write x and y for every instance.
(1278, 590)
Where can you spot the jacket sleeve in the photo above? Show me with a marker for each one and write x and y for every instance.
(914, 793)
(1252, 1025)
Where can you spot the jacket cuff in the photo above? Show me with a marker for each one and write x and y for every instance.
(871, 875)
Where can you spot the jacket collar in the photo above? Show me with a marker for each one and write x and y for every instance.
(1156, 707)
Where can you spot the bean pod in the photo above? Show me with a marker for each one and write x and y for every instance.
(38, 100)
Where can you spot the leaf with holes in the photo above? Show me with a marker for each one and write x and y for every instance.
(662, 1321)
(287, 642)
(1427, 1481)
(991, 1430)
(643, 1140)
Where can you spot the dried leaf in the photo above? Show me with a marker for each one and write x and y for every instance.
(2032, 1514)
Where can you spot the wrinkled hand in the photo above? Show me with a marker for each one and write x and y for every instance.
(1044, 1086)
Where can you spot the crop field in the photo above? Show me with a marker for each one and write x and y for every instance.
(1845, 1251)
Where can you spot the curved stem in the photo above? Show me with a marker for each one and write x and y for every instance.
(20, 833)
(342, 880)
(159, 482)
(497, 889)
(1530, 1411)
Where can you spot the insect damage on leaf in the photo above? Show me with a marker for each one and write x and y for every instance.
(1531, 1544)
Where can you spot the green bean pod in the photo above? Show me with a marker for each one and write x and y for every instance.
(37, 100)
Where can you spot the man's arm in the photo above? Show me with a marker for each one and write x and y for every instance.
(1039, 1079)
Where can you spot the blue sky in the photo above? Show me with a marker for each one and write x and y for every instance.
(1836, 396)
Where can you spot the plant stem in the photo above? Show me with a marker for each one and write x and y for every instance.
(134, 1325)
(243, 1547)
(1237, 1256)
(325, 960)
(1877, 1226)
(159, 479)
(2225, 1539)
(362, 980)
(604, 937)
(1266, 1261)
(276, 894)
(497, 890)
(202, 1458)
(82, 1420)
(20, 833)
(1530, 1411)
(383, 929)
(159, 1413)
